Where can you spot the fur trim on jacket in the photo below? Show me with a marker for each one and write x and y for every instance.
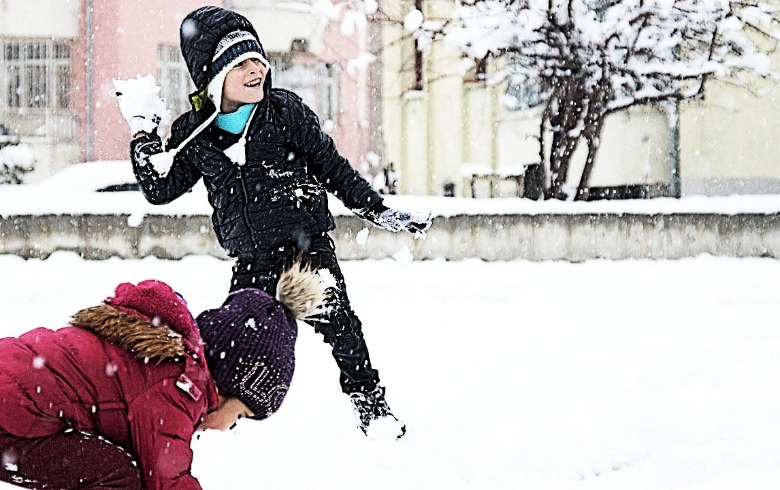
(147, 341)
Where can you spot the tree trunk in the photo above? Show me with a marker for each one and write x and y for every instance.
(593, 138)
(594, 123)
(582, 189)
(566, 110)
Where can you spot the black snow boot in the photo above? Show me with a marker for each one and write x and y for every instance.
(373, 415)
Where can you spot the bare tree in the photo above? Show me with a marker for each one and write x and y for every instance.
(590, 58)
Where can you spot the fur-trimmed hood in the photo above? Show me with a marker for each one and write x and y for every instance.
(152, 341)
(148, 319)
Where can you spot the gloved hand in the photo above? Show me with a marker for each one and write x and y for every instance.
(394, 220)
(141, 105)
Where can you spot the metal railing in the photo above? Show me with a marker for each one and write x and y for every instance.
(53, 124)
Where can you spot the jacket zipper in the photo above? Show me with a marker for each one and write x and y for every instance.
(247, 221)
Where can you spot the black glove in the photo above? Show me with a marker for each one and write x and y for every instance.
(145, 145)
(393, 220)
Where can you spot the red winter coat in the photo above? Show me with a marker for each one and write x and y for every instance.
(126, 377)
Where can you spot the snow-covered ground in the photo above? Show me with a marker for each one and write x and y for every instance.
(514, 375)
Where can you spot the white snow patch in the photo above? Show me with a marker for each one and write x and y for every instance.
(140, 103)
(362, 236)
(634, 374)
(404, 256)
(413, 20)
(326, 277)
(384, 429)
(134, 220)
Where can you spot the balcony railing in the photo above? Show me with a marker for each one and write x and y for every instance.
(52, 124)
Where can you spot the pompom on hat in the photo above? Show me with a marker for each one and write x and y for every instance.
(250, 339)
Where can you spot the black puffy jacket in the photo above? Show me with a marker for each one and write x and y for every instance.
(279, 195)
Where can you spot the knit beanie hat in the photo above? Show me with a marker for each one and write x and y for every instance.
(156, 302)
(250, 339)
(231, 50)
(235, 47)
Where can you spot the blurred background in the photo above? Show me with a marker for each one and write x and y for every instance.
(411, 112)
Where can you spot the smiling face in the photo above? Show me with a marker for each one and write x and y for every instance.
(243, 85)
(226, 415)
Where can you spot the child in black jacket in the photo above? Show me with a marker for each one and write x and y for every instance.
(267, 166)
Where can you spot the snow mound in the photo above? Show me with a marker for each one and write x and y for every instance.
(385, 429)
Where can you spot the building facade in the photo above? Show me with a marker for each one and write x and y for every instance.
(441, 125)
(58, 59)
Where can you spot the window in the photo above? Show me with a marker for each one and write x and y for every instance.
(520, 94)
(35, 85)
(316, 83)
(174, 79)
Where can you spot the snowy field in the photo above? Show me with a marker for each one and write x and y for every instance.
(517, 375)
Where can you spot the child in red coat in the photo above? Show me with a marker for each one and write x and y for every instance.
(113, 400)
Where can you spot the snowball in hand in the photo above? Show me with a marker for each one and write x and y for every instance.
(140, 103)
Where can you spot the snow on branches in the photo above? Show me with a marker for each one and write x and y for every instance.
(585, 59)
(639, 45)
(593, 57)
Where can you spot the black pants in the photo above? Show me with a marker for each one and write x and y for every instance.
(339, 325)
(67, 460)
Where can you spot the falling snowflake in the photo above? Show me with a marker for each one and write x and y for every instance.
(111, 369)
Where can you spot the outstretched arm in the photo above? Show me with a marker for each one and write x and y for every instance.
(144, 110)
(391, 219)
(344, 182)
(326, 164)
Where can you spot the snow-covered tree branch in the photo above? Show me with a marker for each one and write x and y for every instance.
(593, 57)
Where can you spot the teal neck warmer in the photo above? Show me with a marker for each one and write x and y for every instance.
(235, 122)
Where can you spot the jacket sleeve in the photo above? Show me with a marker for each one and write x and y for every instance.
(156, 187)
(162, 421)
(325, 162)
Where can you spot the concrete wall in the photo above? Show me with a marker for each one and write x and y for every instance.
(415, 158)
(570, 237)
(433, 118)
(396, 77)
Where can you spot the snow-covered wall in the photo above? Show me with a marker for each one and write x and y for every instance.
(540, 236)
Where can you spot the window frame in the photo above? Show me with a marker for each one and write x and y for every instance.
(36, 87)
(174, 78)
(318, 84)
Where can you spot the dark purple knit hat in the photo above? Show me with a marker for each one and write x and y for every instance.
(250, 349)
